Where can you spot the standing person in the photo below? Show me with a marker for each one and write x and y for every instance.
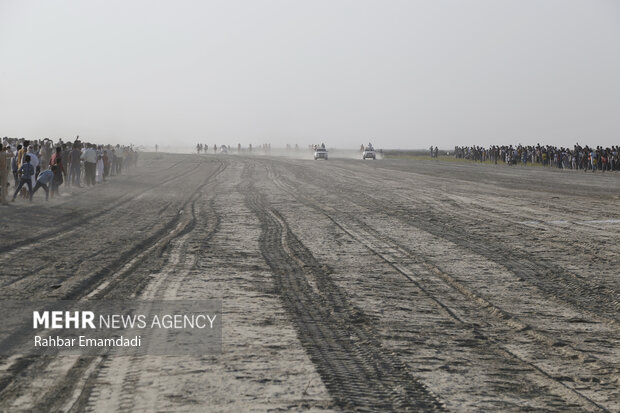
(59, 171)
(5, 163)
(119, 159)
(15, 164)
(112, 155)
(90, 161)
(45, 152)
(56, 156)
(21, 153)
(126, 157)
(604, 161)
(76, 170)
(100, 169)
(27, 172)
(106, 164)
(34, 161)
(43, 180)
(66, 161)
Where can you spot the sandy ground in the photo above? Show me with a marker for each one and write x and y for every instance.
(347, 285)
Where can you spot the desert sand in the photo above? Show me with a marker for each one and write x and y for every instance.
(388, 285)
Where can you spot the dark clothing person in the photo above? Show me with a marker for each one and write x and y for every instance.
(57, 180)
(75, 171)
(90, 172)
(59, 171)
(106, 165)
(90, 162)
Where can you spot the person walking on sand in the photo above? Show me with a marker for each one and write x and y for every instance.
(27, 172)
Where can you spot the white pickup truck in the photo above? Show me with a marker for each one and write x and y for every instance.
(320, 153)
(369, 152)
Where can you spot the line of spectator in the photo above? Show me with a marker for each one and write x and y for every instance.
(44, 164)
(585, 158)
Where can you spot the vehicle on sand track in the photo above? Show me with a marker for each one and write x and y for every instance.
(320, 153)
(369, 152)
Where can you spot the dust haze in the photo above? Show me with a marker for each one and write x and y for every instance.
(461, 279)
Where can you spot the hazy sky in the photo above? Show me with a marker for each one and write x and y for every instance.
(406, 74)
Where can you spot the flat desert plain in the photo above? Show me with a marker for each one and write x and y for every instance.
(346, 285)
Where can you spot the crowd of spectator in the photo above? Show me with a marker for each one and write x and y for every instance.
(49, 165)
(585, 158)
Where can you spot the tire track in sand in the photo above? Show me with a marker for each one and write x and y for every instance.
(554, 281)
(394, 253)
(357, 371)
(25, 244)
(24, 368)
(117, 381)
